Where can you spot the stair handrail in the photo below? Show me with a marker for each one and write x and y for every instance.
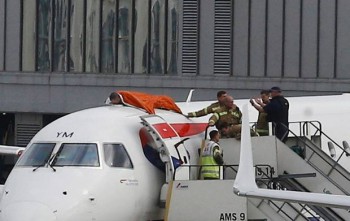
(312, 123)
(334, 166)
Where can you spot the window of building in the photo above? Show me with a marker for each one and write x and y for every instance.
(28, 40)
(141, 36)
(60, 35)
(92, 36)
(44, 35)
(157, 36)
(107, 36)
(116, 156)
(172, 37)
(124, 36)
(76, 36)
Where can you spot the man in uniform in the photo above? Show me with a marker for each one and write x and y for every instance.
(212, 108)
(262, 125)
(227, 116)
(212, 157)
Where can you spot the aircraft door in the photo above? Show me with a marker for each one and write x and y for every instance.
(170, 147)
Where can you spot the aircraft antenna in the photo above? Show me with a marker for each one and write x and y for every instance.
(189, 97)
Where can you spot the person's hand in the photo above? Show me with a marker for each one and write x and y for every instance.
(251, 101)
(189, 115)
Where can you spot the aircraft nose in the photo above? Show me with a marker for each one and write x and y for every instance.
(22, 211)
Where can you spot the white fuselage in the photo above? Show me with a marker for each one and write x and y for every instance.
(89, 193)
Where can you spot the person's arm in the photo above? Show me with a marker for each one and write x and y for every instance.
(213, 119)
(197, 113)
(204, 111)
(218, 155)
(257, 106)
(260, 102)
(272, 107)
(240, 116)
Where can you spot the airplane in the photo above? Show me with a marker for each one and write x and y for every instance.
(115, 162)
(99, 164)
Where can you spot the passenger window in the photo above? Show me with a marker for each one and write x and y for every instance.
(36, 155)
(77, 154)
(116, 156)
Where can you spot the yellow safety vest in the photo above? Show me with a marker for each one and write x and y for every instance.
(210, 169)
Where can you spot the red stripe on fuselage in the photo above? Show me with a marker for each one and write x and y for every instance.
(165, 130)
(182, 129)
(189, 129)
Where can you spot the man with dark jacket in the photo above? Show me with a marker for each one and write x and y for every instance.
(277, 112)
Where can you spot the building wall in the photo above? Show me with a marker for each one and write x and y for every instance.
(240, 45)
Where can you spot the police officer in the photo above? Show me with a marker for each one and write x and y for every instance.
(212, 157)
(211, 108)
(277, 112)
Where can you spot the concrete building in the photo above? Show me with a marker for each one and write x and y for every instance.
(58, 56)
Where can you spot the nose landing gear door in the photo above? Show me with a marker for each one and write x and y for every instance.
(170, 147)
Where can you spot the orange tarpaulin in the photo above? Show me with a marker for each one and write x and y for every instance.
(148, 102)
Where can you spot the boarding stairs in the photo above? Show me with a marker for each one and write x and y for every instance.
(335, 178)
(315, 171)
(314, 143)
(329, 177)
(278, 167)
(297, 169)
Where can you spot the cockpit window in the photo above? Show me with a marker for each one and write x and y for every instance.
(77, 154)
(116, 156)
(36, 155)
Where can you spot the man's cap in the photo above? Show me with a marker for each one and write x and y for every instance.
(275, 89)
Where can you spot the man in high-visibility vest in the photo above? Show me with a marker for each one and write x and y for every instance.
(212, 157)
